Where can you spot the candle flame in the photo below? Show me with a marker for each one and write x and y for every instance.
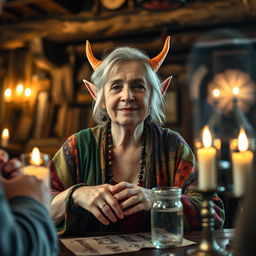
(36, 160)
(19, 89)
(235, 90)
(216, 93)
(27, 92)
(8, 92)
(8, 95)
(243, 142)
(5, 133)
(207, 138)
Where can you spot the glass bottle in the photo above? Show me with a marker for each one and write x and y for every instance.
(167, 217)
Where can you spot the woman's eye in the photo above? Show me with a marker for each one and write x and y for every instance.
(139, 87)
(116, 87)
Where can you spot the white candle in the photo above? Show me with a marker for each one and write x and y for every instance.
(5, 138)
(207, 163)
(242, 164)
(41, 172)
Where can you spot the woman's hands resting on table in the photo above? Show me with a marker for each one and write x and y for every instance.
(108, 203)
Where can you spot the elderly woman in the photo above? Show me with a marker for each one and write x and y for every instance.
(102, 176)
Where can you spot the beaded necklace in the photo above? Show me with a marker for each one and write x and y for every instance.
(109, 156)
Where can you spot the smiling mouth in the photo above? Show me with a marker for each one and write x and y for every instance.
(127, 109)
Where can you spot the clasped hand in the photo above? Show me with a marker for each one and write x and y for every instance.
(108, 203)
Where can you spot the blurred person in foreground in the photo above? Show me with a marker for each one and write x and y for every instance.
(102, 177)
(25, 224)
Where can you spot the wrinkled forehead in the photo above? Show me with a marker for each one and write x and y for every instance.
(133, 68)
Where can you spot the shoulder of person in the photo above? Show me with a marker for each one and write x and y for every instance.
(89, 134)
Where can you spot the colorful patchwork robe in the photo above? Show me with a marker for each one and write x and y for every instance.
(169, 162)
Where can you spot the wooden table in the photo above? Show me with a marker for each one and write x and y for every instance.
(222, 236)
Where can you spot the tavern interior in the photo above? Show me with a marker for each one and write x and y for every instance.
(42, 46)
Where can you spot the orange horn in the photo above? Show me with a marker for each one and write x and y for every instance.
(157, 61)
(91, 58)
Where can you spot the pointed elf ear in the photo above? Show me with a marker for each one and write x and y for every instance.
(165, 84)
(91, 88)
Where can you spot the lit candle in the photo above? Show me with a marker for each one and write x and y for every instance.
(35, 168)
(19, 90)
(207, 163)
(242, 164)
(27, 92)
(8, 95)
(5, 138)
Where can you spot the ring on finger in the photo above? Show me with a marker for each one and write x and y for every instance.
(103, 204)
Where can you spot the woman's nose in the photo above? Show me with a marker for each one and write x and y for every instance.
(127, 95)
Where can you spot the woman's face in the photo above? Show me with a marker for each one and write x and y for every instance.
(127, 94)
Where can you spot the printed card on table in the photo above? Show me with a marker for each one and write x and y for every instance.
(107, 245)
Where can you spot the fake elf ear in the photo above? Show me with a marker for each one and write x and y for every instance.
(91, 88)
(155, 62)
(165, 84)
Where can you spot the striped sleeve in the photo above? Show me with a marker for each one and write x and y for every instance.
(64, 166)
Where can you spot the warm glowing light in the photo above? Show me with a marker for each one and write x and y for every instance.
(19, 89)
(36, 160)
(217, 143)
(27, 92)
(225, 82)
(216, 93)
(5, 134)
(243, 143)
(5, 137)
(207, 138)
(8, 93)
(235, 90)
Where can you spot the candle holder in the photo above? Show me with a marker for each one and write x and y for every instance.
(208, 245)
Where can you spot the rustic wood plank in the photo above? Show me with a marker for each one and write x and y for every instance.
(52, 7)
(7, 14)
(48, 5)
(79, 28)
(180, 41)
(14, 4)
(28, 11)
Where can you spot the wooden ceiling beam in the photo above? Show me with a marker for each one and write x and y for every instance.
(78, 28)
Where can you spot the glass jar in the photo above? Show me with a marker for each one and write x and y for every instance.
(167, 217)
